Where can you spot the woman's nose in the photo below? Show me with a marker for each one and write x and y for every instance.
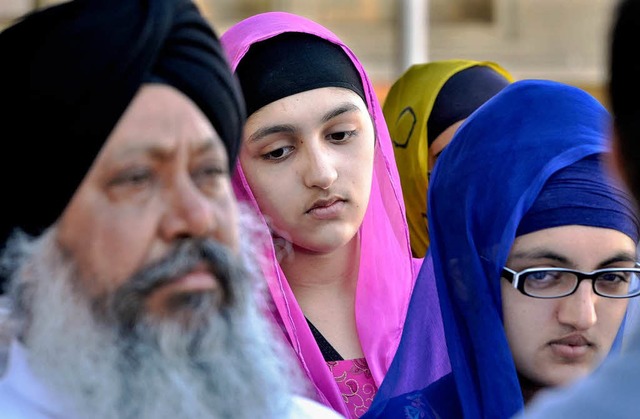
(318, 168)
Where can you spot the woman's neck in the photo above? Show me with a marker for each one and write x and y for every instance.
(318, 271)
(325, 288)
(529, 388)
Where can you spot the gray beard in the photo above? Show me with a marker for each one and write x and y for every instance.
(109, 359)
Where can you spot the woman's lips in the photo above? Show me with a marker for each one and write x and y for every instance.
(327, 210)
(571, 347)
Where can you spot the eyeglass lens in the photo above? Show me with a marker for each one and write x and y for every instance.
(552, 283)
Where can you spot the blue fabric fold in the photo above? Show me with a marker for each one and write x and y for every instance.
(483, 184)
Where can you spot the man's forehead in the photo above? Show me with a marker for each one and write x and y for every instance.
(162, 148)
(159, 120)
(160, 106)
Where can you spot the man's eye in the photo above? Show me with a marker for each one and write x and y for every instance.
(210, 171)
(132, 178)
(278, 154)
(208, 176)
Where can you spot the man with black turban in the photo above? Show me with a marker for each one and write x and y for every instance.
(131, 287)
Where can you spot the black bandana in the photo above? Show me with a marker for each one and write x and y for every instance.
(462, 94)
(69, 72)
(292, 63)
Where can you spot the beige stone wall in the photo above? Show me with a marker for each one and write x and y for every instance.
(9, 9)
(562, 40)
(12, 9)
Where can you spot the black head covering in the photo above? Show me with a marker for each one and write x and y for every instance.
(462, 94)
(69, 72)
(624, 88)
(291, 63)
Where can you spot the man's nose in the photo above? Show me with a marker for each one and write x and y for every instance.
(579, 309)
(189, 212)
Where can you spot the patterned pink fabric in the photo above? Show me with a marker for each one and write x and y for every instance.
(387, 271)
(355, 383)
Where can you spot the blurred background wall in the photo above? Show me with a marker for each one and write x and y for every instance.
(563, 40)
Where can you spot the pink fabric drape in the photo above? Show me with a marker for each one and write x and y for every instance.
(387, 270)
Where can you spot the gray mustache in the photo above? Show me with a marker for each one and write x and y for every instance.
(187, 255)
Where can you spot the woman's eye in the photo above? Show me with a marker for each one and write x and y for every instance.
(614, 277)
(545, 278)
(341, 135)
(278, 154)
(538, 276)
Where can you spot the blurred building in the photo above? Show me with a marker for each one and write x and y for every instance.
(564, 40)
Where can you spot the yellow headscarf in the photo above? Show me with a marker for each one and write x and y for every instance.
(406, 110)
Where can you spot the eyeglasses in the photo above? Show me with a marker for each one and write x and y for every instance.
(560, 282)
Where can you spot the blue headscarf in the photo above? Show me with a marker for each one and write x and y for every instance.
(574, 196)
(483, 184)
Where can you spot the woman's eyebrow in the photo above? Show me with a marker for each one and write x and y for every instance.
(288, 128)
(535, 254)
(272, 129)
(339, 110)
(623, 256)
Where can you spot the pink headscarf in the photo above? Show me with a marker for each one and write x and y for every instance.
(387, 270)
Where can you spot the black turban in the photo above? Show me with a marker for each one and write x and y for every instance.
(69, 72)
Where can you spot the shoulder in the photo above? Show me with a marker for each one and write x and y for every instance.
(13, 406)
(22, 396)
(610, 391)
(306, 408)
(437, 400)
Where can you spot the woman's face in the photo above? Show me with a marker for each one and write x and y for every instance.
(308, 159)
(556, 341)
(438, 145)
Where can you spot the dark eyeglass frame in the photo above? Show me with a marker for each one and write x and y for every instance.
(514, 278)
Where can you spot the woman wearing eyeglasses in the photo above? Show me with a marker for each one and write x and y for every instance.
(534, 256)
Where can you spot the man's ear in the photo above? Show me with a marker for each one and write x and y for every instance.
(614, 161)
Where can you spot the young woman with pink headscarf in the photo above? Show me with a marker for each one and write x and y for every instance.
(317, 165)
